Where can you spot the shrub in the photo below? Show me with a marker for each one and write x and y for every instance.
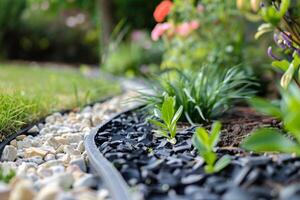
(203, 95)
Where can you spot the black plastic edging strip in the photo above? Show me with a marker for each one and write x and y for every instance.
(119, 190)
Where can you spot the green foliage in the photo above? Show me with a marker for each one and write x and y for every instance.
(129, 58)
(273, 14)
(204, 45)
(272, 140)
(205, 144)
(169, 118)
(282, 17)
(6, 177)
(204, 94)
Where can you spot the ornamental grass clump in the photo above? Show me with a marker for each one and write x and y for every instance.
(204, 95)
(205, 143)
(274, 140)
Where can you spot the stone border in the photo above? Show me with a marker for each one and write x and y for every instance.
(115, 183)
(25, 130)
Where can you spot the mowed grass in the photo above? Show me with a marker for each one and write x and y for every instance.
(28, 93)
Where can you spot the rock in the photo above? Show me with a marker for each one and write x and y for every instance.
(20, 137)
(34, 129)
(49, 192)
(73, 137)
(63, 180)
(61, 140)
(51, 163)
(70, 150)
(34, 151)
(4, 191)
(80, 147)
(80, 162)
(88, 181)
(49, 157)
(292, 192)
(58, 169)
(22, 190)
(53, 142)
(9, 153)
(13, 143)
(237, 194)
(193, 178)
(44, 172)
(65, 158)
(102, 194)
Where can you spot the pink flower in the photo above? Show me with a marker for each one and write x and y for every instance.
(183, 29)
(194, 25)
(159, 30)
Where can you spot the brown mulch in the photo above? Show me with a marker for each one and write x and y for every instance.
(240, 122)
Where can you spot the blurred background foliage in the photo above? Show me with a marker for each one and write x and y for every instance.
(63, 31)
(81, 31)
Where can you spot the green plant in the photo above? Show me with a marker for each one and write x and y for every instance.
(6, 177)
(204, 94)
(205, 143)
(282, 18)
(168, 117)
(191, 34)
(271, 139)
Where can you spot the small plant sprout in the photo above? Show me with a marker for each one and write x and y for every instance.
(205, 144)
(168, 117)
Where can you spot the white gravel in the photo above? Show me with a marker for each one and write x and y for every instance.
(54, 165)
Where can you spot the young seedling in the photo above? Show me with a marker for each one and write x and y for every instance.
(205, 144)
(169, 119)
(271, 139)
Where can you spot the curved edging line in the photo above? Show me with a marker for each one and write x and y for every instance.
(117, 186)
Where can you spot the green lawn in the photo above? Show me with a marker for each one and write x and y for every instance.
(28, 93)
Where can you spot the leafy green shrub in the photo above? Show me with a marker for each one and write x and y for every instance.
(273, 140)
(205, 144)
(167, 114)
(204, 94)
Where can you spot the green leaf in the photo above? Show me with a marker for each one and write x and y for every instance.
(177, 115)
(222, 163)
(269, 140)
(282, 64)
(167, 109)
(198, 142)
(157, 123)
(215, 134)
(209, 157)
(266, 107)
(288, 75)
(262, 29)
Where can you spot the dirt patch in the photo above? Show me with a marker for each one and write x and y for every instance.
(239, 122)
